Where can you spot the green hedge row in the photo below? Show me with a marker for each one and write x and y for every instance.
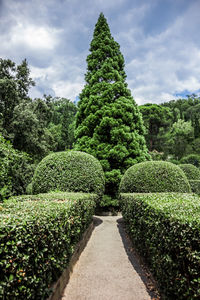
(165, 228)
(37, 236)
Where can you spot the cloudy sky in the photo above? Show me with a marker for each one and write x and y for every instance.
(158, 38)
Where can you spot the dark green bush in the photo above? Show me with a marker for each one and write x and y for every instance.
(191, 172)
(37, 239)
(195, 186)
(71, 171)
(193, 159)
(154, 176)
(165, 229)
(16, 170)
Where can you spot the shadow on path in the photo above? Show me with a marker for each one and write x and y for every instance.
(149, 282)
(97, 221)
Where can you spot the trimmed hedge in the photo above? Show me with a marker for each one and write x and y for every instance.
(191, 172)
(165, 228)
(154, 176)
(70, 171)
(195, 186)
(37, 240)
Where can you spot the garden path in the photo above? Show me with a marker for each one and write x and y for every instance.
(107, 269)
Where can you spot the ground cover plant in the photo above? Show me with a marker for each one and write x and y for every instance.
(38, 235)
(154, 176)
(71, 171)
(165, 228)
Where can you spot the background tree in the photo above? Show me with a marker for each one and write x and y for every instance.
(109, 124)
(179, 138)
(157, 120)
(62, 123)
(15, 82)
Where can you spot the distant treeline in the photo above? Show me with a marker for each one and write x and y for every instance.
(29, 128)
(173, 128)
(32, 128)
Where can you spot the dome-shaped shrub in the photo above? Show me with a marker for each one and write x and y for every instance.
(191, 172)
(154, 176)
(71, 171)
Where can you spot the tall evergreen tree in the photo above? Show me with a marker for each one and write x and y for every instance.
(109, 124)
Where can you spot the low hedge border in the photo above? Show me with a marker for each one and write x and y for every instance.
(195, 186)
(37, 240)
(165, 228)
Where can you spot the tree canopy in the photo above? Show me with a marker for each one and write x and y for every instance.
(109, 125)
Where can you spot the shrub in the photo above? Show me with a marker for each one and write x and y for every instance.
(165, 228)
(16, 170)
(37, 240)
(195, 186)
(154, 176)
(192, 172)
(193, 159)
(71, 171)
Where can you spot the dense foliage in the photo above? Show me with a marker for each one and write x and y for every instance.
(71, 171)
(109, 125)
(195, 186)
(173, 128)
(156, 120)
(33, 127)
(16, 170)
(154, 176)
(192, 172)
(37, 240)
(193, 159)
(165, 228)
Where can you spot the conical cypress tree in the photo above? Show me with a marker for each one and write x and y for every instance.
(109, 125)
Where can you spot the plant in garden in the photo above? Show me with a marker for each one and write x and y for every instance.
(16, 170)
(193, 159)
(193, 175)
(154, 176)
(192, 172)
(71, 171)
(164, 228)
(38, 235)
(109, 125)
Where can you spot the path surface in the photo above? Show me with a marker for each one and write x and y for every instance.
(104, 270)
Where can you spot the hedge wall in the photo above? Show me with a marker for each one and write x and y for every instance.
(165, 228)
(154, 176)
(69, 171)
(37, 239)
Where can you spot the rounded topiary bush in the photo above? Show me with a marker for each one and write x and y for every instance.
(195, 186)
(71, 171)
(191, 172)
(154, 177)
(193, 159)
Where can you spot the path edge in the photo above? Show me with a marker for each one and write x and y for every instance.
(61, 283)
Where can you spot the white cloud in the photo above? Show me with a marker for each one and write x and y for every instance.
(34, 37)
(163, 64)
(68, 89)
(55, 37)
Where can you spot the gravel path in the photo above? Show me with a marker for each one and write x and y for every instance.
(105, 269)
